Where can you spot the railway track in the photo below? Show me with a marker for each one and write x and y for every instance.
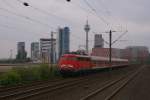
(111, 88)
(34, 91)
(25, 92)
(21, 64)
(10, 89)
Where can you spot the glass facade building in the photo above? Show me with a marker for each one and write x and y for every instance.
(35, 51)
(21, 53)
(63, 41)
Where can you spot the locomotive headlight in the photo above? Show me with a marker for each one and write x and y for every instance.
(70, 66)
(65, 66)
(62, 65)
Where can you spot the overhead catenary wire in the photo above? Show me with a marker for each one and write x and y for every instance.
(43, 11)
(11, 18)
(115, 20)
(119, 37)
(7, 17)
(91, 12)
(104, 41)
(25, 17)
(8, 27)
(96, 15)
(38, 9)
(15, 28)
(104, 6)
(84, 9)
(35, 8)
(94, 10)
(7, 3)
(21, 15)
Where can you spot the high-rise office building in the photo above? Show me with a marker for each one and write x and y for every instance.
(35, 51)
(21, 53)
(63, 41)
(98, 41)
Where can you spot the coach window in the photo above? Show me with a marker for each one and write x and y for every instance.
(94, 61)
(88, 59)
(100, 62)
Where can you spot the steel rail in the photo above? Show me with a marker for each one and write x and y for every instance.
(109, 84)
(19, 86)
(19, 93)
(26, 97)
(44, 89)
(109, 97)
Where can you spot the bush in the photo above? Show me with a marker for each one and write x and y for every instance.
(29, 74)
(55, 71)
(10, 78)
(48, 72)
(44, 71)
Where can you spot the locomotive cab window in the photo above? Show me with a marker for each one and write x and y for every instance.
(69, 58)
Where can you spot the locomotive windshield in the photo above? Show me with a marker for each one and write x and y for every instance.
(69, 58)
(76, 58)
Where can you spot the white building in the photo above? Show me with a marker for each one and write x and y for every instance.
(46, 53)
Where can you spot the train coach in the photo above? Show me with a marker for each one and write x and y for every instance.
(69, 63)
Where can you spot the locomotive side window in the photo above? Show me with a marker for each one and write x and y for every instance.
(83, 59)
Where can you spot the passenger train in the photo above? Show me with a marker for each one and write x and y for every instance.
(75, 63)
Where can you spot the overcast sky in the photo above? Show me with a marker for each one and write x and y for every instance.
(29, 24)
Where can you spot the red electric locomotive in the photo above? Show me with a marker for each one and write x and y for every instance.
(75, 63)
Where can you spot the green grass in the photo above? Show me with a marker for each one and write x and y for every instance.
(19, 75)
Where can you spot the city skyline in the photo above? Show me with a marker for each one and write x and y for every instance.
(121, 14)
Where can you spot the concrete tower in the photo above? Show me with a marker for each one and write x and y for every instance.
(87, 29)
